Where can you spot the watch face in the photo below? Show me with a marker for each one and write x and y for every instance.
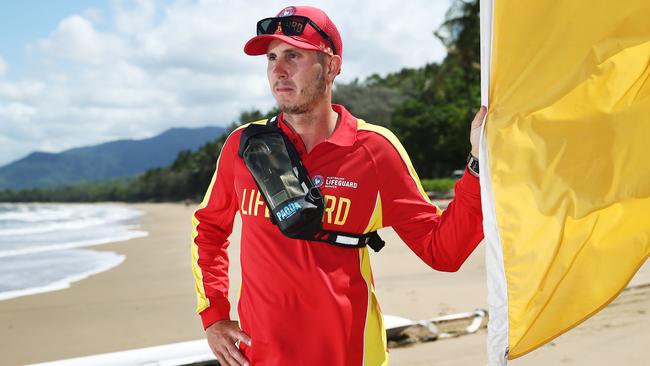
(475, 166)
(472, 164)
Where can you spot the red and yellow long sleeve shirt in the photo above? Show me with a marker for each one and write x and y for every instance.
(288, 285)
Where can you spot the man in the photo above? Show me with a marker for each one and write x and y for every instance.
(305, 302)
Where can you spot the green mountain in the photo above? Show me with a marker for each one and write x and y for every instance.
(109, 160)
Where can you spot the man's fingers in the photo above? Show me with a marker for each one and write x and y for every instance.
(226, 359)
(220, 356)
(218, 345)
(478, 118)
(236, 355)
(223, 361)
(242, 337)
(222, 338)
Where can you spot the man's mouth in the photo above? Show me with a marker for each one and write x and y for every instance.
(280, 88)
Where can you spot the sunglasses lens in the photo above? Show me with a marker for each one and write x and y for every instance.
(292, 26)
(267, 26)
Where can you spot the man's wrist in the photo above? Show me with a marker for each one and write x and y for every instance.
(215, 313)
(473, 165)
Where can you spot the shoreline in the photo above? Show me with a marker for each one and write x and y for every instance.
(145, 301)
(76, 245)
(54, 253)
(63, 283)
(149, 300)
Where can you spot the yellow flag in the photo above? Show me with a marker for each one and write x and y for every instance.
(565, 162)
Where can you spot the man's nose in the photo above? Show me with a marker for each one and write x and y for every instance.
(280, 69)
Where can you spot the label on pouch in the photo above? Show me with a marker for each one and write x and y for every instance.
(287, 211)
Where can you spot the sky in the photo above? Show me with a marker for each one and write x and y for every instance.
(76, 73)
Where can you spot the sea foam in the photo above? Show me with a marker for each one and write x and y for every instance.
(40, 244)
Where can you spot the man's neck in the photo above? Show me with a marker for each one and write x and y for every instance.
(314, 126)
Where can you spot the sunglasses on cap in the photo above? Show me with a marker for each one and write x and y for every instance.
(290, 26)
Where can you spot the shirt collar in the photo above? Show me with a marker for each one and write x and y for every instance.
(345, 133)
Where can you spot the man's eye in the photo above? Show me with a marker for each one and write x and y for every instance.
(270, 57)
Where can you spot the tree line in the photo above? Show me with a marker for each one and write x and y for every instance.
(428, 108)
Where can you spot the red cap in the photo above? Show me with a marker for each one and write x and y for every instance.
(310, 39)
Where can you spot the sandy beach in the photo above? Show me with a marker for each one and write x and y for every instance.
(149, 300)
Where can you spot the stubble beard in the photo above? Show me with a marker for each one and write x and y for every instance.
(310, 97)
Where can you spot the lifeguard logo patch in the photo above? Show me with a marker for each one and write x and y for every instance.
(317, 180)
(339, 182)
(287, 12)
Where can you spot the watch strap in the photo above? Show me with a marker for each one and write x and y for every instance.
(473, 165)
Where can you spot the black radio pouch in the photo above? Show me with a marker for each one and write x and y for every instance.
(295, 205)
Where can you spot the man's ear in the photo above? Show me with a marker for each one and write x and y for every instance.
(334, 66)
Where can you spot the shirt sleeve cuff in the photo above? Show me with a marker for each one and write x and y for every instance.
(215, 313)
(469, 183)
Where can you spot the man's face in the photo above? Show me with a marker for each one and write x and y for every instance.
(296, 76)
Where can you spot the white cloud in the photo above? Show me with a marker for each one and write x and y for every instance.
(143, 69)
(26, 92)
(94, 15)
(17, 112)
(390, 35)
(134, 16)
(76, 40)
(3, 66)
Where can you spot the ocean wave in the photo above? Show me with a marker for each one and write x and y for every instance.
(42, 219)
(39, 244)
(35, 212)
(103, 261)
(132, 234)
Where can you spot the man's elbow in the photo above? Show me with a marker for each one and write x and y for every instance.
(448, 267)
(443, 263)
(451, 261)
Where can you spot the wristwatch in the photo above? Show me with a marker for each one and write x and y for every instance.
(472, 164)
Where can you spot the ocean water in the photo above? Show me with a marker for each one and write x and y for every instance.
(43, 247)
